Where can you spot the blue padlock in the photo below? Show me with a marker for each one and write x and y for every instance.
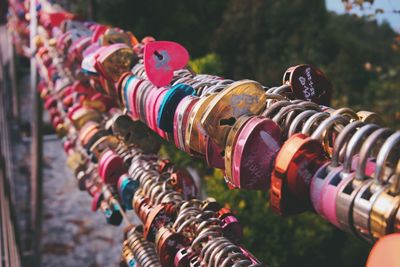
(165, 118)
(126, 189)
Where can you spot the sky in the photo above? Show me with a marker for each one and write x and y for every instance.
(387, 5)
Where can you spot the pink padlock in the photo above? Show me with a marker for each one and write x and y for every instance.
(132, 92)
(150, 103)
(111, 167)
(157, 106)
(341, 174)
(254, 153)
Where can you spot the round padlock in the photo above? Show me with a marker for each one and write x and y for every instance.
(195, 135)
(169, 104)
(239, 98)
(298, 160)
(254, 153)
(309, 83)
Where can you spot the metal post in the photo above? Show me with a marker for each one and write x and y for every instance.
(13, 77)
(36, 145)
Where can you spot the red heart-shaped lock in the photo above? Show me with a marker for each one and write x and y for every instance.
(161, 59)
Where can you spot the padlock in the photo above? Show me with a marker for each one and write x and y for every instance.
(295, 164)
(239, 98)
(183, 182)
(371, 117)
(154, 218)
(111, 167)
(309, 83)
(101, 145)
(258, 139)
(348, 189)
(181, 118)
(230, 225)
(368, 193)
(325, 202)
(115, 35)
(168, 243)
(111, 212)
(126, 189)
(169, 105)
(195, 134)
(114, 60)
(384, 208)
(127, 258)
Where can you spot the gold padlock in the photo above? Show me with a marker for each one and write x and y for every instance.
(81, 116)
(370, 117)
(230, 143)
(195, 134)
(103, 144)
(76, 162)
(383, 212)
(239, 98)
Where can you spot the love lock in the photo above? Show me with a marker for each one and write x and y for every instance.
(253, 152)
(181, 119)
(368, 193)
(195, 134)
(309, 83)
(168, 243)
(348, 188)
(112, 61)
(160, 215)
(111, 167)
(115, 35)
(384, 208)
(161, 59)
(169, 104)
(296, 163)
(126, 189)
(230, 225)
(239, 98)
(183, 182)
(111, 212)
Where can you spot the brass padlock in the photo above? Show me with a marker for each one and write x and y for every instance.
(239, 98)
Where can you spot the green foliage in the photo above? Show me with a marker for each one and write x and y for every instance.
(209, 64)
(260, 39)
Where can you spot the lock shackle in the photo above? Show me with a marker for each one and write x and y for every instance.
(366, 150)
(269, 111)
(346, 112)
(285, 110)
(285, 88)
(306, 129)
(270, 90)
(354, 143)
(386, 149)
(309, 105)
(326, 124)
(342, 140)
(298, 119)
(273, 96)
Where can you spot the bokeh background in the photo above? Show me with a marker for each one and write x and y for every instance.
(259, 39)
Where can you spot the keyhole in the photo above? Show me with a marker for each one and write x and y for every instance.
(158, 55)
(229, 121)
